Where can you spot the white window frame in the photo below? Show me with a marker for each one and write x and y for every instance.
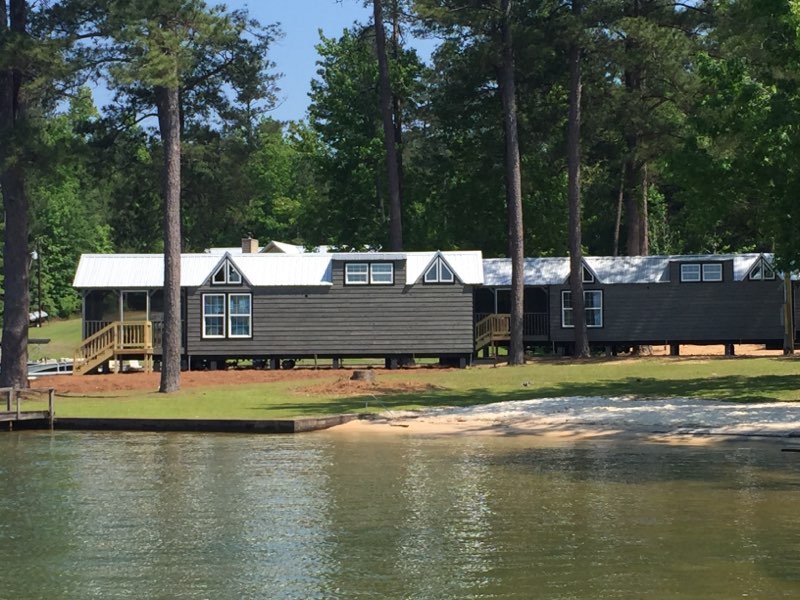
(229, 272)
(348, 274)
(568, 310)
(436, 268)
(716, 267)
(214, 316)
(227, 269)
(586, 275)
(372, 272)
(224, 279)
(762, 271)
(696, 272)
(232, 315)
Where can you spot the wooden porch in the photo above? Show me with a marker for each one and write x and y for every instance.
(493, 329)
(117, 341)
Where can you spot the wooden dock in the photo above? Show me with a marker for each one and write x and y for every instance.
(15, 412)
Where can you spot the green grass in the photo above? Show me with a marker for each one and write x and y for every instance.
(64, 336)
(731, 379)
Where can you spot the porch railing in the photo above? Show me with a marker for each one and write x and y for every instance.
(92, 327)
(534, 324)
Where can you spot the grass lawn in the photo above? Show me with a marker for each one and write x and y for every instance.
(731, 379)
(64, 336)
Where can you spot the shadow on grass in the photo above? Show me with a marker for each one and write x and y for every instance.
(731, 388)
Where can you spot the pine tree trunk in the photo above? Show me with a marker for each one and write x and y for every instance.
(397, 112)
(633, 86)
(16, 259)
(385, 100)
(618, 220)
(169, 126)
(574, 194)
(644, 245)
(516, 350)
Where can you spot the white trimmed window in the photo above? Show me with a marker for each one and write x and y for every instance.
(227, 315)
(762, 271)
(587, 275)
(712, 271)
(356, 273)
(593, 308)
(694, 272)
(690, 272)
(240, 315)
(226, 274)
(439, 272)
(381, 273)
(213, 315)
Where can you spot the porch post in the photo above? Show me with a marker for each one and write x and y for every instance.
(83, 314)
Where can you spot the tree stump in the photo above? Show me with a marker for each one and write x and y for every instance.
(362, 375)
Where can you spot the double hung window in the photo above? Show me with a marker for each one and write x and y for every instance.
(227, 315)
(593, 308)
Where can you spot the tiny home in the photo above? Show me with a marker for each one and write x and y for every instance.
(269, 307)
(641, 300)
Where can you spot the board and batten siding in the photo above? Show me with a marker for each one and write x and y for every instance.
(344, 320)
(675, 311)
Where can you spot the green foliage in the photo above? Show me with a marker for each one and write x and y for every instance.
(348, 153)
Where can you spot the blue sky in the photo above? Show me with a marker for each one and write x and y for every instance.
(294, 54)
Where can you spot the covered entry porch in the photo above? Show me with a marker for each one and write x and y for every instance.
(493, 313)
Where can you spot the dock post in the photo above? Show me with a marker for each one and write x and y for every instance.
(51, 396)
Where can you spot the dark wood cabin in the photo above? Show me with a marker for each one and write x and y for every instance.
(669, 300)
(275, 307)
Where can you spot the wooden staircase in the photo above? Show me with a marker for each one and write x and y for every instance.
(492, 329)
(115, 341)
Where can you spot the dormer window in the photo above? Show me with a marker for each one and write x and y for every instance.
(379, 273)
(439, 272)
(586, 275)
(696, 272)
(226, 274)
(762, 271)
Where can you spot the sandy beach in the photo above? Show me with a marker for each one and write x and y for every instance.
(580, 417)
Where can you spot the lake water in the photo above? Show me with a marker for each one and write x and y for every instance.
(174, 516)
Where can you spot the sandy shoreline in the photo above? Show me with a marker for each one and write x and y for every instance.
(580, 418)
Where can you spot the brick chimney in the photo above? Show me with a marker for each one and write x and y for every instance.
(249, 245)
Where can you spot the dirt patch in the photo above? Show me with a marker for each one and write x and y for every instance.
(345, 386)
(718, 350)
(148, 382)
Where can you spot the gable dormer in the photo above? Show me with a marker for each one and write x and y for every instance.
(226, 273)
(761, 270)
(587, 274)
(438, 271)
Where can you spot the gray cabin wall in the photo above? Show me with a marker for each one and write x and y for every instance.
(675, 311)
(344, 320)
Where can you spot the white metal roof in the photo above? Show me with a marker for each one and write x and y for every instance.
(467, 265)
(610, 269)
(139, 270)
(284, 269)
